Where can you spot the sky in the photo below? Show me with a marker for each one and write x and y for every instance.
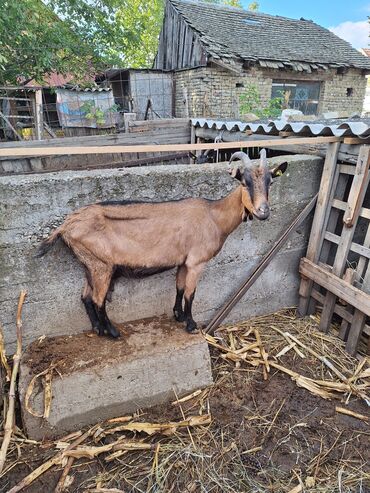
(346, 18)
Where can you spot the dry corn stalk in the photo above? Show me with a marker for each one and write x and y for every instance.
(9, 422)
(3, 359)
(57, 459)
(46, 383)
(348, 412)
(91, 452)
(167, 428)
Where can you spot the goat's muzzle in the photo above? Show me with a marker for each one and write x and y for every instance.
(263, 212)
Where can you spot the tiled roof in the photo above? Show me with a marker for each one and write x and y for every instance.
(272, 41)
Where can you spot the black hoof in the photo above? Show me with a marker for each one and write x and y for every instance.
(191, 327)
(113, 332)
(99, 329)
(179, 316)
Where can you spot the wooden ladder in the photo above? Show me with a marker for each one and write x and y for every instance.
(336, 270)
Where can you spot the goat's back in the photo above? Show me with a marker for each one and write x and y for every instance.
(143, 234)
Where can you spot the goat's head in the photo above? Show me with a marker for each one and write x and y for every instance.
(205, 157)
(256, 179)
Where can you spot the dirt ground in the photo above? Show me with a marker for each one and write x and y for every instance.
(265, 435)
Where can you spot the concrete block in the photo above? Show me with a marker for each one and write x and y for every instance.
(98, 378)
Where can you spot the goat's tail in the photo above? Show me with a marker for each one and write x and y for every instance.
(46, 244)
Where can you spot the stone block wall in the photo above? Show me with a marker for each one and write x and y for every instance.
(215, 92)
(32, 205)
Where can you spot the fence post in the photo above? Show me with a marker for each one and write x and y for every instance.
(39, 127)
(127, 118)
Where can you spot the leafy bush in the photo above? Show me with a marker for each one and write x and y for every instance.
(250, 102)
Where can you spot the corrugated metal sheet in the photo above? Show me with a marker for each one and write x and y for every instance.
(357, 127)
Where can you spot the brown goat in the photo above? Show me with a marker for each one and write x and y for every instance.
(135, 239)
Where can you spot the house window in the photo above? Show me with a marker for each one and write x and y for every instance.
(298, 95)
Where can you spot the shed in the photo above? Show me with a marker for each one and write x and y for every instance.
(219, 51)
(148, 93)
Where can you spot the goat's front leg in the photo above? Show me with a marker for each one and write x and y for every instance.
(192, 276)
(178, 311)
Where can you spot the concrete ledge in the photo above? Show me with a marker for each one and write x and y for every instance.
(99, 378)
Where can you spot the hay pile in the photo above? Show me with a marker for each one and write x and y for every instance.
(288, 413)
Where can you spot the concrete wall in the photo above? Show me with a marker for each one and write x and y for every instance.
(214, 92)
(32, 205)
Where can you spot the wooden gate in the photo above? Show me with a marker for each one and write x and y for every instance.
(336, 270)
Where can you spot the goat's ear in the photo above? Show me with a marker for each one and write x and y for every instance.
(192, 155)
(236, 173)
(279, 170)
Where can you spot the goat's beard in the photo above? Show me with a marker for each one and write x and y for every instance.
(247, 215)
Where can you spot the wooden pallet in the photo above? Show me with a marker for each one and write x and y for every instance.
(336, 270)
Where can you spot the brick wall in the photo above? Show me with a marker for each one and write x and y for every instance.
(215, 92)
(334, 96)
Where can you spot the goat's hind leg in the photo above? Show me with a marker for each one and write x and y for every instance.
(178, 311)
(90, 308)
(192, 276)
(100, 281)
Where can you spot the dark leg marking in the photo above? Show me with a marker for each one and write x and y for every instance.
(91, 311)
(104, 322)
(177, 309)
(191, 325)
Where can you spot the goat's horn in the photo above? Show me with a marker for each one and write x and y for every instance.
(263, 159)
(242, 156)
(205, 153)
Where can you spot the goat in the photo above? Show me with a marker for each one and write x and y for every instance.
(208, 156)
(204, 157)
(136, 239)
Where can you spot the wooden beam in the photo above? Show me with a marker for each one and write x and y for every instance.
(6, 120)
(70, 150)
(355, 247)
(347, 153)
(355, 140)
(339, 310)
(356, 196)
(341, 205)
(335, 285)
(38, 117)
(329, 176)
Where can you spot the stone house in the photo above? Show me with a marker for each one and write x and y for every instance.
(219, 53)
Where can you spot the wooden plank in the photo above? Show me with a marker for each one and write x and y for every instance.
(347, 153)
(359, 319)
(329, 175)
(339, 204)
(354, 247)
(41, 151)
(339, 310)
(347, 169)
(355, 140)
(356, 195)
(339, 191)
(334, 284)
(6, 119)
(39, 127)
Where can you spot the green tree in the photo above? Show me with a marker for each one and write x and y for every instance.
(78, 36)
(254, 6)
(125, 32)
(34, 42)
